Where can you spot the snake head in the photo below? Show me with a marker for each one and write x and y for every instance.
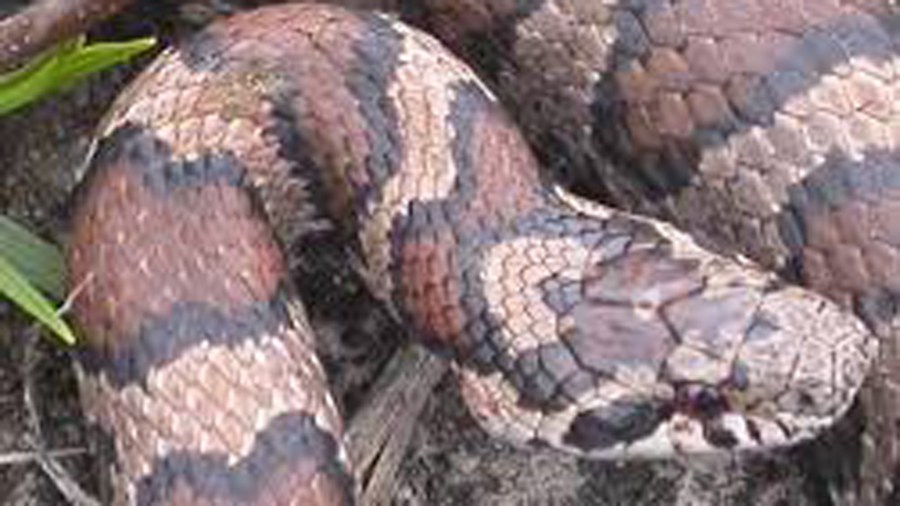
(653, 346)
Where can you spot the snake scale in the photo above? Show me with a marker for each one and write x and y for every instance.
(573, 325)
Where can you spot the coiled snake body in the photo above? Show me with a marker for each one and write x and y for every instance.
(572, 325)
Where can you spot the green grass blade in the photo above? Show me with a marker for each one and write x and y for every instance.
(21, 74)
(31, 82)
(40, 262)
(27, 263)
(62, 67)
(14, 285)
(95, 57)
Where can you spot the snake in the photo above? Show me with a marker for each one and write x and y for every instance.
(599, 331)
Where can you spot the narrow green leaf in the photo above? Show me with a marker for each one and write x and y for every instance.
(14, 285)
(98, 56)
(62, 67)
(35, 79)
(39, 61)
(27, 263)
(39, 261)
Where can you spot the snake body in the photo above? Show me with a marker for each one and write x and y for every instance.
(573, 325)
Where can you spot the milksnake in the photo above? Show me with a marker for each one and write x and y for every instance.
(573, 325)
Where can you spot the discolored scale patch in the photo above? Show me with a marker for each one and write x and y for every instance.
(699, 322)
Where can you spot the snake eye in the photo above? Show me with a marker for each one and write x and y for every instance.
(700, 401)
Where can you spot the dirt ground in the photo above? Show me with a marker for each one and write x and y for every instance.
(450, 460)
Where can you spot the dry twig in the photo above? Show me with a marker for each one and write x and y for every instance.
(379, 433)
(47, 460)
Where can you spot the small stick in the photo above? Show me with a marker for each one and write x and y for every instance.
(63, 481)
(16, 458)
(50, 465)
(379, 433)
